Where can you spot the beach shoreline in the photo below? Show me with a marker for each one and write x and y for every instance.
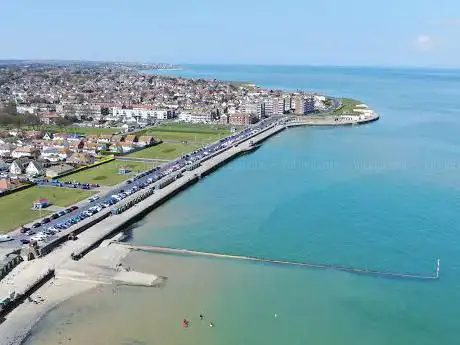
(72, 279)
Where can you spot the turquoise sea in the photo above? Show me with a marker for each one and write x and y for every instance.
(380, 196)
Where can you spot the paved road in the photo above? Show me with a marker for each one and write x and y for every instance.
(151, 177)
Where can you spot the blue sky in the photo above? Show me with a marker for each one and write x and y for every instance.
(322, 32)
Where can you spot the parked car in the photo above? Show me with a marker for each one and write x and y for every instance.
(36, 225)
(93, 198)
(73, 208)
(45, 220)
(24, 229)
(25, 241)
(54, 216)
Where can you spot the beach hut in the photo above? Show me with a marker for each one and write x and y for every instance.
(41, 203)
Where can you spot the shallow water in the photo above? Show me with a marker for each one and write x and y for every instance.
(382, 196)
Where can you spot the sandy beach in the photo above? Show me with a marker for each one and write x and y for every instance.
(72, 278)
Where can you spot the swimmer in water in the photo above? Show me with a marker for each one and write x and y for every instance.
(201, 317)
(211, 324)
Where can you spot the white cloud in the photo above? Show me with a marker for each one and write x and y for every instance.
(424, 42)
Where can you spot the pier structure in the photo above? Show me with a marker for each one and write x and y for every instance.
(363, 271)
(329, 120)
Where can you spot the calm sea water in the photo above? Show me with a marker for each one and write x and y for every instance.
(383, 196)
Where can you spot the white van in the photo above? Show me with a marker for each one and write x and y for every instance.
(5, 238)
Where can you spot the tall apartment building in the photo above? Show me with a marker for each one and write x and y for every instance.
(304, 105)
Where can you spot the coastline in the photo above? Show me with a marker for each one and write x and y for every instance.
(21, 321)
(71, 280)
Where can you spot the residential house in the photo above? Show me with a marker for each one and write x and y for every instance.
(35, 168)
(65, 153)
(132, 138)
(60, 136)
(6, 150)
(117, 138)
(33, 134)
(55, 154)
(76, 145)
(15, 132)
(90, 148)
(92, 138)
(26, 151)
(129, 143)
(74, 137)
(102, 147)
(58, 170)
(4, 166)
(62, 144)
(7, 183)
(116, 148)
(105, 138)
(18, 167)
(81, 158)
(145, 140)
(47, 136)
(49, 118)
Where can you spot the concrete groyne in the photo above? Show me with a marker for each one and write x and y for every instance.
(362, 271)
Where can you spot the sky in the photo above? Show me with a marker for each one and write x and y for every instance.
(285, 32)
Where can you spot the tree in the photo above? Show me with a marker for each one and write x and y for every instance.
(62, 122)
(10, 108)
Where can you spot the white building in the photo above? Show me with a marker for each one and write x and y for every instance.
(34, 169)
(22, 109)
(139, 115)
(205, 117)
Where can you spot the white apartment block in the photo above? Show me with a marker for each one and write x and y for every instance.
(204, 117)
(139, 115)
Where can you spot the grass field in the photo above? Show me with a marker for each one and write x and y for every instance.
(16, 208)
(197, 133)
(107, 174)
(165, 151)
(348, 104)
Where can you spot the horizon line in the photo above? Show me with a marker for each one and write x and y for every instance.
(241, 64)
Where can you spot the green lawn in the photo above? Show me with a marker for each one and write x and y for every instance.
(165, 151)
(16, 208)
(198, 133)
(107, 174)
(348, 104)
